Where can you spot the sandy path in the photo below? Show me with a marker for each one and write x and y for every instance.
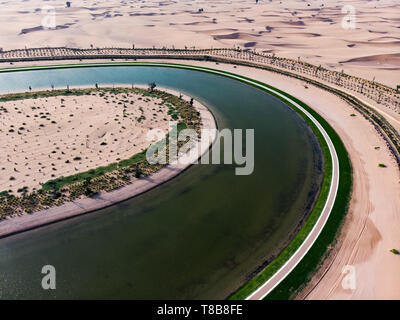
(83, 205)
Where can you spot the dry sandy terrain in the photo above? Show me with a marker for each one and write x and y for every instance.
(290, 28)
(42, 137)
(372, 226)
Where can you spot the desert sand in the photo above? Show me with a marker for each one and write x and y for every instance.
(47, 138)
(311, 29)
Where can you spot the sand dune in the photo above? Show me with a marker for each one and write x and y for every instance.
(294, 23)
(294, 28)
(302, 34)
(380, 59)
(383, 44)
(40, 28)
(199, 23)
(384, 38)
(250, 44)
(235, 35)
(213, 31)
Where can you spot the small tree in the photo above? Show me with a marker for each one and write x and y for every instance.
(87, 185)
(152, 86)
(191, 101)
(138, 171)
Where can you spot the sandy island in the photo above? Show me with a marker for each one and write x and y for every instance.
(91, 131)
(50, 137)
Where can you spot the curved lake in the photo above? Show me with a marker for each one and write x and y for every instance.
(202, 234)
